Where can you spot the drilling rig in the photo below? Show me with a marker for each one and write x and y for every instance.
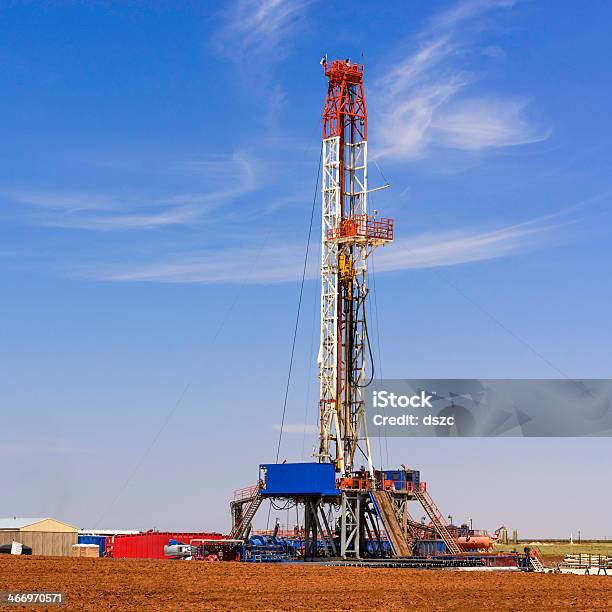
(349, 236)
(350, 509)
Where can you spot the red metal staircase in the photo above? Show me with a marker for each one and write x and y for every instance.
(535, 561)
(437, 520)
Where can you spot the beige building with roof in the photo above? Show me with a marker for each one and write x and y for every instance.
(46, 536)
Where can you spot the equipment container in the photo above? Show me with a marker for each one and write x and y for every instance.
(150, 545)
(99, 540)
(308, 479)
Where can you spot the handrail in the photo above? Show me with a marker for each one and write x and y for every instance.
(434, 507)
(363, 226)
(246, 492)
(401, 485)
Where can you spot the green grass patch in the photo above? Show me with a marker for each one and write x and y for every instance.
(558, 549)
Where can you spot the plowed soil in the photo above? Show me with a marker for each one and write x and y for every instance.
(129, 584)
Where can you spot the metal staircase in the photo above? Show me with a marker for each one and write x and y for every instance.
(535, 562)
(438, 520)
(242, 524)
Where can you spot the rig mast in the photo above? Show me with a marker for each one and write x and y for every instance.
(349, 235)
(351, 510)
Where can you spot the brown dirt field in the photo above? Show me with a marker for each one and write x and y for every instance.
(129, 584)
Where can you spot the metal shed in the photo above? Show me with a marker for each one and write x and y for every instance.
(46, 536)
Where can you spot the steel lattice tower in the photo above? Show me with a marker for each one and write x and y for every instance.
(360, 512)
(349, 235)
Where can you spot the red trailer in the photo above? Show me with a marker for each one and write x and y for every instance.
(150, 545)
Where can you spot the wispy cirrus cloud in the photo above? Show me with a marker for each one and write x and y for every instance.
(428, 99)
(464, 11)
(283, 262)
(251, 29)
(225, 179)
(255, 35)
(276, 263)
(455, 247)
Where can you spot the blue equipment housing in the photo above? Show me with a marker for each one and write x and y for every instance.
(298, 479)
(261, 548)
(430, 548)
(100, 540)
(403, 479)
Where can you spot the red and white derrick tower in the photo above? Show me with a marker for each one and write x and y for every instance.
(349, 235)
(366, 504)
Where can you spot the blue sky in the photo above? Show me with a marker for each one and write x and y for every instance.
(158, 167)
